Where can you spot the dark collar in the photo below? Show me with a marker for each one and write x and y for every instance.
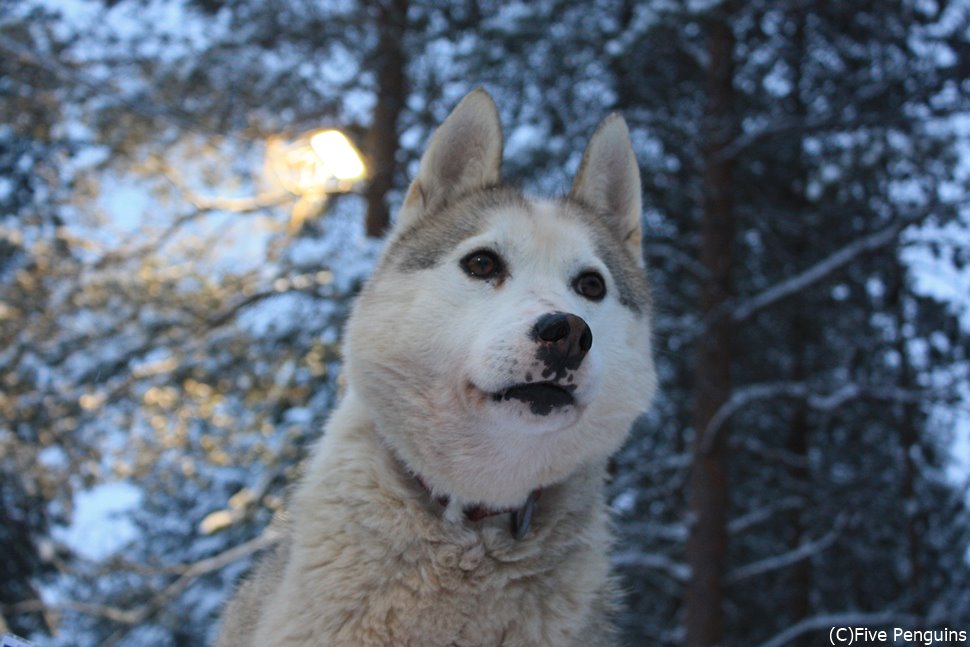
(520, 518)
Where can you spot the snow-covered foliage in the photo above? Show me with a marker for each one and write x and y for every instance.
(169, 329)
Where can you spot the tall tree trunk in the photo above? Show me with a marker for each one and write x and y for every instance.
(382, 139)
(910, 444)
(708, 496)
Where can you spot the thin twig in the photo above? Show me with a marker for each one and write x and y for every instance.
(138, 615)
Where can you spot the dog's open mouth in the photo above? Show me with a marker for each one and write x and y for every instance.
(542, 397)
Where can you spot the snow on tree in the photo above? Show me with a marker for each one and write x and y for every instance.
(169, 330)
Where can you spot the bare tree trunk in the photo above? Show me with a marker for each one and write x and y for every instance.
(909, 440)
(382, 139)
(708, 497)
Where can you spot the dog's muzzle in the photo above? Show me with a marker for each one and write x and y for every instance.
(564, 339)
(542, 397)
(562, 342)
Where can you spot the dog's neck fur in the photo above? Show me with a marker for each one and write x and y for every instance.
(577, 495)
(382, 538)
(520, 518)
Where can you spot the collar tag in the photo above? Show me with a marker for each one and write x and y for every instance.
(522, 517)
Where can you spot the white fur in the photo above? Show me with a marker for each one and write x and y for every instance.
(371, 558)
(460, 332)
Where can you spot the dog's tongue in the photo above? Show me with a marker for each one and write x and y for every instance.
(541, 397)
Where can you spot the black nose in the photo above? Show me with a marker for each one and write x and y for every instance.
(566, 338)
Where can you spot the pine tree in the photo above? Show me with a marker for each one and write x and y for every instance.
(35, 258)
(793, 472)
(830, 124)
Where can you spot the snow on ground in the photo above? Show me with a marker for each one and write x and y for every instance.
(100, 525)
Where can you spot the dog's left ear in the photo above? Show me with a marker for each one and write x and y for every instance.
(465, 154)
(608, 181)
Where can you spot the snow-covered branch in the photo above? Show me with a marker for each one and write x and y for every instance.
(827, 124)
(652, 562)
(632, 478)
(203, 204)
(137, 615)
(689, 330)
(678, 257)
(767, 453)
(806, 392)
(749, 520)
(676, 532)
(823, 268)
(69, 74)
(804, 551)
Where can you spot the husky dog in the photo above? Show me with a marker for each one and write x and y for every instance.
(496, 359)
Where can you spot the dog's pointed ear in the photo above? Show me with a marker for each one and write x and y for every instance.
(608, 181)
(465, 154)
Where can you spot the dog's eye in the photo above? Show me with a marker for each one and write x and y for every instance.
(590, 285)
(482, 264)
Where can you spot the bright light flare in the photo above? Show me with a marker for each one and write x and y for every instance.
(338, 155)
(316, 164)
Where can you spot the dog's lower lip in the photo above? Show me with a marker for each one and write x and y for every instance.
(542, 397)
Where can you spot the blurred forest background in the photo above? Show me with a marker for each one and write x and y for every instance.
(170, 322)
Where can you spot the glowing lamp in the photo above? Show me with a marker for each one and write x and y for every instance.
(316, 163)
(337, 155)
(312, 167)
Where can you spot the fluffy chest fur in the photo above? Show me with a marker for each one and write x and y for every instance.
(373, 563)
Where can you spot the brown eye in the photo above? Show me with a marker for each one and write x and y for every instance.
(590, 285)
(482, 264)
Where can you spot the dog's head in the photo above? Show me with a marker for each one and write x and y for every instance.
(504, 341)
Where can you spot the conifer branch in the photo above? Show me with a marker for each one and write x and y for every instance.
(809, 394)
(659, 562)
(137, 615)
(824, 268)
(804, 551)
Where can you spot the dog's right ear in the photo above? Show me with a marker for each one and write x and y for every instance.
(465, 154)
(608, 180)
